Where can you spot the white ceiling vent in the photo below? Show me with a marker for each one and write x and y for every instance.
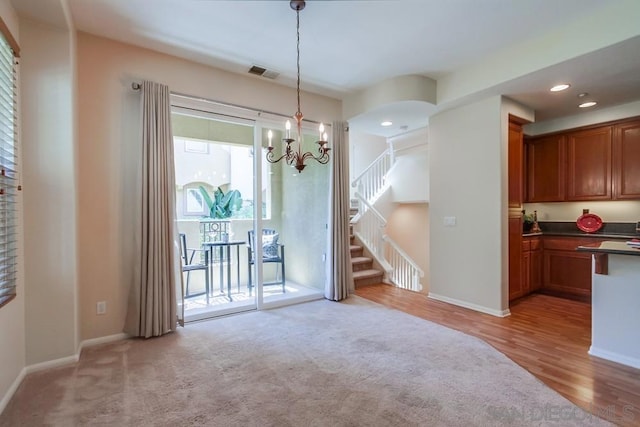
(261, 71)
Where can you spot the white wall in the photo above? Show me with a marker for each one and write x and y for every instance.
(12, 332)
(108, 141)
(212, 168)
(409, 178)
(465, 165)
(364, 148)
(408, 226)
(50, 201)
(599, 115)
(616, 21)
(615, 311)
(390, 91)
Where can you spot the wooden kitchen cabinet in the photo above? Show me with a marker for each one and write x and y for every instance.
(535, 265)
(516, 282)
(526, 273)
(565, 271)
(626, 161)
(597, 162)
(589, 157)
(515, 156)
(545, 169)
(530, 268)
(515, 200)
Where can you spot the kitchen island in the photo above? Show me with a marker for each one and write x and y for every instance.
(614, 302)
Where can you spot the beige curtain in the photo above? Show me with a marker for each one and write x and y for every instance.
(340, 282)
(152, 304)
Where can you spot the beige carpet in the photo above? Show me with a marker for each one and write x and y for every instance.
(316, 364)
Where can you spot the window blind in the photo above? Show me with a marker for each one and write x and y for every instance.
(8, 172)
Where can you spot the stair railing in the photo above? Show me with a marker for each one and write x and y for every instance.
(370, 231)
(372, 181)
(400, 269)
(405, 273)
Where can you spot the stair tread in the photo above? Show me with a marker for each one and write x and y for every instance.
(355, 247)
(367, 273)
(360, 259)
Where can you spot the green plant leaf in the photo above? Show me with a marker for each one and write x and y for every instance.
(222, 205)
(210, 203)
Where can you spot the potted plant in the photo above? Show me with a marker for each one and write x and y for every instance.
(527, 222)
(221, 205)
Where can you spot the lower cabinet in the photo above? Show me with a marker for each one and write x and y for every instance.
(530, 268)
(535, 264)
(567, 272)
(551, 265)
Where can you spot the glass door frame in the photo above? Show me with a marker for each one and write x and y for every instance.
(257, 210)
(270, 121)
(204, 109)
(258, 120)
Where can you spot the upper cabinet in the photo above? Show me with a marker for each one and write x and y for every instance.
(596, 163)
(626, 161)
(589, 164)
(545, 166)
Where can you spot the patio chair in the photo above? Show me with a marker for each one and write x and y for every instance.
(188, 265)
(272, 252)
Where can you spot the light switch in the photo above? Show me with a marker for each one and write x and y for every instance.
(449, 221)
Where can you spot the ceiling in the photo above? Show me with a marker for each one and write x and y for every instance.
(348, 46)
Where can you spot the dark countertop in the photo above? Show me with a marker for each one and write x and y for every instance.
(610, 230)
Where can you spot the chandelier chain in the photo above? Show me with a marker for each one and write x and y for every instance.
(298, 54)
(293, 154)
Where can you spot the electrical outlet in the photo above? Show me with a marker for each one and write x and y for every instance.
(101, 307)
(324, 257)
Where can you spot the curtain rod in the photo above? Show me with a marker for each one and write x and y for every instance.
(137, 86)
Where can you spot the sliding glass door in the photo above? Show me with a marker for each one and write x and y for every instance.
(300, 212)
(254, 233)
(215, 205)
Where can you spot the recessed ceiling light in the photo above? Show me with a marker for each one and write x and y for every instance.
(386, 123)
(560, 87)
(587, 104)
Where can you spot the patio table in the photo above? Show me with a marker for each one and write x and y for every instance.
(211, 246)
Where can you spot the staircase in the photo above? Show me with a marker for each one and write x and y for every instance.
(363, 271)
(397, 267)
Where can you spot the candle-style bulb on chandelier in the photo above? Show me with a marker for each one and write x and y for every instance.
(293, 155)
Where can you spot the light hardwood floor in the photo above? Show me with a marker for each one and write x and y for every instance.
(546, 335)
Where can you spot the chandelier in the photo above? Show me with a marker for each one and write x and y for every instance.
(293, 154)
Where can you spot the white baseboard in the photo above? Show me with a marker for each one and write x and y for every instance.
(14, 386)
(615, 357)
(471, 306)
(103, 340)
(74, 358)
(55, 363)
